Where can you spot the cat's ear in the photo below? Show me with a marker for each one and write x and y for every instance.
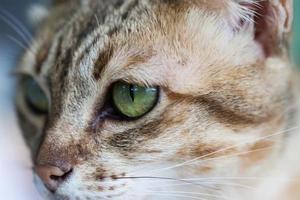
(270, 21)
(59, 2)
(37, 13)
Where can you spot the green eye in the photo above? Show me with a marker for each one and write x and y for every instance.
(132, 100)
(35, 97)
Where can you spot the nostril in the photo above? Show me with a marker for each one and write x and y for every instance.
(55, 178)
(63, 177)
(52, 176)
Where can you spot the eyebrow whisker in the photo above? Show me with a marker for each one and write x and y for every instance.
(16, 25)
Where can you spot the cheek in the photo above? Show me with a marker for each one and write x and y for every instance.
(257, 153)
(214, 148)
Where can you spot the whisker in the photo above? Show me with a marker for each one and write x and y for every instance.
(190, 193)
(243, 178)
(173, 185)
(167, 195)
(16, 41)
(97, 20)
(224, 149)
(235, 154)
(221, 157)
(190, 181)
(231, 184)
(154, 177)
(20, 34)
(20, 44)
(249, 178)
(10, 19)
(208, 181)
(165, 178)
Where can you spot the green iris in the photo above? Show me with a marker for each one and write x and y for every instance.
(35, 97)
(133, 100)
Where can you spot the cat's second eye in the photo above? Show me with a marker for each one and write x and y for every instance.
(34, 96)
(132, 100)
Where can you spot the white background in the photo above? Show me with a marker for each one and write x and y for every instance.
(16, 181)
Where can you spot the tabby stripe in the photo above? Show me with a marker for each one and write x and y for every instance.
(106, 54)
(88, 27)
(102, 61)
(41, 57)
(228, 116)
(58, 50)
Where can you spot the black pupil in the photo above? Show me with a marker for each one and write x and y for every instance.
(131, 90)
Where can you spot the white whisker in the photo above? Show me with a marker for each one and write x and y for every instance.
(190, 193)
(14, 23)
(97, 20)
(166, 195)
(234, 178)
(224, 149)
(20, 44)
(208, 181)
(234, 155)
(16, 41)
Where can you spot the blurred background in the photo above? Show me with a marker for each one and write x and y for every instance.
(15, 168)
(296, 42)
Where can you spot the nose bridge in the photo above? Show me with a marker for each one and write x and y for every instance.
(54, 153)
(59, 148)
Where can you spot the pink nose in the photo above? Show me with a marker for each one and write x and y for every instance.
(53, 176)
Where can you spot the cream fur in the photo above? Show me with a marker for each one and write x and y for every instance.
(221, 97)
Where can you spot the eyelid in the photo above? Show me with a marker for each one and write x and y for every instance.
(139, 83)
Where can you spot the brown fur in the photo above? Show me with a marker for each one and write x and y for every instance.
(222, 89)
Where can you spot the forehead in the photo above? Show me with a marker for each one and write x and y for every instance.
(131, 39)
(79, 27)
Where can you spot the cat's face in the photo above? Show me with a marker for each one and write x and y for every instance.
(142, 98)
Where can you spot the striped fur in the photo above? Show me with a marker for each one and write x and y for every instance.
(224, 94)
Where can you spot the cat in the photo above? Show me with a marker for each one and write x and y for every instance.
(162, 99)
